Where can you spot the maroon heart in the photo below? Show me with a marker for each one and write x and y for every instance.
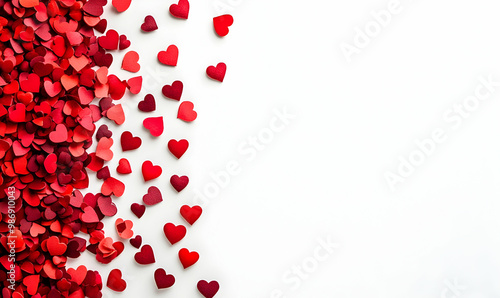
(179, 183)
(103, 131)
(149, 24)
(173, 91)
(145, 256)
(138, 209)
(136, 241)
(163, 280)
(153, 196)
(148, 104)
(208, 289)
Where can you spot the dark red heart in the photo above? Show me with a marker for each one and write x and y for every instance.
(179, 183)
(145, 256)
(191, 214)
(163, 280)
(148, 104)
(173, 91)
(217, 73)
(174, 233)
(138, 209)
(129, 142)
(149, 24)
(208, 289)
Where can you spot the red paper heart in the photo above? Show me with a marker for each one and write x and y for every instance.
(123, 167)
(136, 241)
(124, 42)
(222, 23)
(116, 114)
(208, 289)
(54, 247)
(179, 183)
(163, 280)
(154, 125)
(89, 215)
(121, 5)
(153, 196)
(115, 281)
(106, 205)
(50, 163)
(149, 24)
(130, 62)
(135, 84)
(60, 134)
(145, 256)
(174, 233)
(148, 104)
(170, 56)
(191, 214)
(138, 209)
(149, 171)
(186, 111)
(178, 148)
(217, 73)
(129, 142)
(188, 258)
(124, 228)
(180, 10)
(31, 282)
(113, 186)
(173, 91)
(103, 131)
(103, 150)
(78, 275)
(110, 40)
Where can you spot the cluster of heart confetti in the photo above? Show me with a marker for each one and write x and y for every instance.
(55, 86)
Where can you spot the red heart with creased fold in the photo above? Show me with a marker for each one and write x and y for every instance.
(217, 73)
(150, 171)
(173, 91)
(121, 5)
(191, 214)
(170, 56)
(124, 228)
(60, 134)
(153, 196)
(174, 233)
(154, 125)
(208, 289)
(103, 150)
(148, 104)
(115, 281)
(186, 111)
(138, 209)
(188, 258)
(149, 24)
(180, 10)
(222, 23)
(131, 62)
(129, 142)
(178, 148)
(163, 280)
(123, 167)
(179, 183)
(136, 241)
(145, 256)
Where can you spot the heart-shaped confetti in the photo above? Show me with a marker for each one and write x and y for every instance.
(178, 148)
(149, 24)
(191, 214)
(173, 91)
(217, 73)
(136, 241)
(179, 183)
(124, 228)
(188, 258)
(170, 56)
(180, 10)
(222, 23)
(208, 289)
(163, 280)
(121, 5)
(150, 171)
(153, 196)
(123, 167)
(129, 142)
(115, 281)
(131, 62)
(145, 256)
(186, 111)
(154, 125)
(148, 104)
(138, 209)
(174, 233)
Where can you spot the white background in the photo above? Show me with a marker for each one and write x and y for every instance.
(323, 175)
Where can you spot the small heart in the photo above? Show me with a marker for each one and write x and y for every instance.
(148, 104)
(179, 183)
(191, 214)
(170, 56)
(188, 258)
(129, 142)
(138, 209)
(222, 23)
(124, 42)
(123, 167)
(154, 125)
(130, 62)
(208, 289)
(145, 256)
(103, 131)
(174, 233)
(173, 91)
(178, 148)
(59, 135)
(121, 5)
(115, 281)
(136, 241)
(217, 73)
(186, 111)
(163, 280)
(103, 173)
(180, 10)
(153, 196)
(149, 24)
(150, 171)
(124, 228)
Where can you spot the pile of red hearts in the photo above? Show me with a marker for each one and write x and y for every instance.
(54, 87)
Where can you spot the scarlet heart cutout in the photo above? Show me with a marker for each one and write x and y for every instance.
(153, 196)
(135, 84)
(170, 56)
(154, 125)
(222, 23)
(54, 247)
(110, 40)
(130, 62)
(31, 282)
(186, 111)
(138, 209)
(136, 241)
(208, 289)
(115, 281)
(121, 5)
(113, 186)
(173, 91)
(180, 10)
(78, 275)
(149, 171)
(178, 148)
(191, 214)
(217, 73)
(179, 183)
(116, 114)
(103, 150)
(149, 24)
(145, 256)
(148, 104)
(50, 163)
(174, 233)
(124, 167)
(60, 134)
(129, 142)
(163, 280)
(188, 258)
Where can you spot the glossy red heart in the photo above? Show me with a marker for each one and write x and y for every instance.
(186, 111)
(149, 24)
(188, 258)
(148, 104)
(178, 148)
(154, 125)
(173, 91)
(163, 280)
(153, 196)
(191, 214)
(131, 62)
(180, 10)
(150, 171)
(174, 233)
(115, 281)
(222, 23)
(138, 209)
(145, 256)
(217, 73)
(170, 56)
(179, 183)
(208, 289)
(129, 142)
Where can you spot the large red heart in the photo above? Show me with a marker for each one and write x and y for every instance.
(178, 148)
(131, 62)
(186, 111)
(174, 233)
(129, 142)
(153, 196)
(179, 183)
(217, 73)
(115, 281)
(150, 171)
(222, 23)
(180, 10)
(191, 214)
(170, 56)
(145, 256)
(163, 280)
(208, 289)
(188, 258)
(154, 125)
(173, 91)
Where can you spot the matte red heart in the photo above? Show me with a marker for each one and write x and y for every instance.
(116, 114)
(186, 112)
(110, 40)
(115, 281)
(191, 214)
(170, 56)
(78, 275)
(60, 134)
(148, 104)
(180, 10)
(154, 125)
(149, 24)
(135, 84)
(178, 148)
(174, 233)
(138, 209)
(150, 171)
(208, 289)
(50, 163)
(145, 256)
(179, 183)
(163, 281)
(222, 23)
(217, 73)
(123, 167)
(31, 282)
(113, 186)
(130, 62)
(121, 5)
(153, 196)
(106, 205)
(124, 228)
(129, 142)
(103, 131)
(188, 258)
(124, 42)
(173, 91)
(103, 173)
(103, 150)
(136, 241)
